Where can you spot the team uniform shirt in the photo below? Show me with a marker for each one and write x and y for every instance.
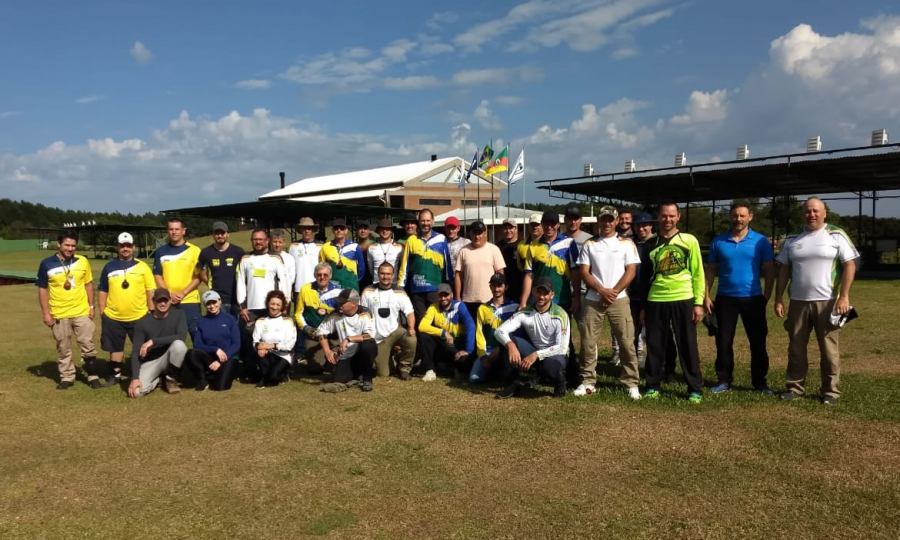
(554, 260)
(425, 263)
(347, 327)
(816, 260)
(672, 269)
(477, 265)
(388, 252)
(489, 318)
(259, 274)
(278, 330)
(348, 264)
(456, 321)
(221, 267)
(178, 265)
(395, 301)
(290, 271)
(739, 263)
(314, 305)
(126, 305)
(306, 256)
(53, 274)
(607, 259)
(548, 331)
(456, 246)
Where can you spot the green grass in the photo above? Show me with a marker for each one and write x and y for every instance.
(417, 460)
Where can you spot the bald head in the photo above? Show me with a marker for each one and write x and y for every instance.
(814, 213)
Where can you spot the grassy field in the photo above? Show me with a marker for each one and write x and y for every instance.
(436, 460)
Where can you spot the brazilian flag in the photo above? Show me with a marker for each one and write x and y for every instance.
(486, 156)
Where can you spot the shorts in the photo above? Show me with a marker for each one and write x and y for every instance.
(113, 334)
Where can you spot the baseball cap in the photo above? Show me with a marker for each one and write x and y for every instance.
(608, 210)
(498, 279)
(339, 222)
(451, 221)
(385, 223)
(543, 283)
(511, 222)
(477, 227)
(348, 295)
(405, 218)
(161, 293)
(641, 217)
(573, 211)
(126, 238)
(220, 226)
(443, 288)
(535, 218)
(307, 222)
(363, 225)
(211, 296)
(550, 216)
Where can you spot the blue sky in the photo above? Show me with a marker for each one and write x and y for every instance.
(182, 103)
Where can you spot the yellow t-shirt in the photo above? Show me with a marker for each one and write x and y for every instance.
(178, 265)
(126, 305)
(53, 275)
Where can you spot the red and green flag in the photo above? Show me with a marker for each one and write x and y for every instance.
(499, 163)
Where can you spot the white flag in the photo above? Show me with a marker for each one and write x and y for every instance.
(518, 172)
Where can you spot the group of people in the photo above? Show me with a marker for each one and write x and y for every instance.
(379, 305)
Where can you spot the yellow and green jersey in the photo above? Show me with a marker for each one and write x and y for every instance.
(672, 269)
(554, 260)
(456, 321)
(425, 263)
(178, 267)
(489, 318)
(54, 273)
(126, 304)
(348, 263)
(314, 305)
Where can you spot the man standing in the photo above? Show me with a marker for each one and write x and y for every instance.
(672, 275)
(125, 296)
(315, 301)
(475, 265)
(424, 265)
(573, 219)
(554, 256)
(159, 347)
(305, 252)
(218, 264)
(356, 353)
(385, 250)
(410, 227)
(490, 316)
(290, 264)
(175, 269)
(736, 258)
(546, 338)
(387, 305)
(624, 228)
(454, 241)
(535, 233)
(608, 263)
(510, 246)
(364, 239)
(819, 262)
(447, 332)
(348, 265)
(66, 296)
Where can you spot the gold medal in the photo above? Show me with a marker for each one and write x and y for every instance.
(67, 285)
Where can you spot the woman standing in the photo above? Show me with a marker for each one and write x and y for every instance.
(213, 360)
(274, 337)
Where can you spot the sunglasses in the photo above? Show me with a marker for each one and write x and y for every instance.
(126, 245)
(162, 300)
(339, 228)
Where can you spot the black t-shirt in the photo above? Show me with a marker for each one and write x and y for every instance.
(513, 275)
(222, 268)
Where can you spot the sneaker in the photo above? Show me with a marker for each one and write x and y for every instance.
(404, 376)
(202, 385)
(651, 394)
(584, 390)
(765, 390)
(260, 384)
(633, 393)
(367, 386)
(171, 385)
(720, 388)
(829, 400)
(114, 379)
(429, 376)
(508, 392)
(64, 385)
(560, 390)
(96, 384)
(696, 398)
(788, 396)
(615, 359)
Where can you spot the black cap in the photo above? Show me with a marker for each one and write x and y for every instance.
(405, 218)
(339, 222)
(573, 211)
(498, 279)
(363, 225)
(641, 217)
(550, 216)
(444, 288)
(220, 226)
(477, 227)
(543, 283)
(348, 295)
(160, 293)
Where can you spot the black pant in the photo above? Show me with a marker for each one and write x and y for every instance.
(436, 350)
(658, 316)
(752, 311)
(671, 350)
(420, 303)
(198, 362)
(551, 369)
(248, 351)
(273, 368)
(361, 363)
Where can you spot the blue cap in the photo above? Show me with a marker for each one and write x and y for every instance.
(550, 216)
(641, 217)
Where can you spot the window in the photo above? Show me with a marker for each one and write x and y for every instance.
(469, 202)
(434, 202)
(488, 203)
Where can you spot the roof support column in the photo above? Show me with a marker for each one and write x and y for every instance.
(859, 222)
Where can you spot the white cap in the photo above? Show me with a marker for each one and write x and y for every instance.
(211, 296)
(535, 218)
(125, 238)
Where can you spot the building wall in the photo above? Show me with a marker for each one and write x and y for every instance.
(444, 197)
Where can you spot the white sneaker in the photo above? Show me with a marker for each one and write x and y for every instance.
(584, 390)
(633, 393)
(429, 376)
(615, 359)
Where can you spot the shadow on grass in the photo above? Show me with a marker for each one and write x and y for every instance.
(50, 370)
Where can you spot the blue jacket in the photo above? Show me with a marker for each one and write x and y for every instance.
(218, 332)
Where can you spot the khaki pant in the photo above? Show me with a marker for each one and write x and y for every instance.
(803, 318)
(590, 325)
(83, 330)
(407, 345)
(315, 355)
(153, 370)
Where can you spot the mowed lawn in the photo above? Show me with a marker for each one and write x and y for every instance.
(437, 460)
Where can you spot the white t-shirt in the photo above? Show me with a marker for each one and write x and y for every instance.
(346, 327)
(278, 330)
(290, 269)
(455, 246)
(394, 300)
(306, 257)
(379, 253)
(257, 276)
(816, 262)
(607, 258)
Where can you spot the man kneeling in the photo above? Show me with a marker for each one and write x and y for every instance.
(159, 347)
(356, 354)
(545, 341)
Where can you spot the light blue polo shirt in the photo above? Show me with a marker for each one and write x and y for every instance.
(739, 263)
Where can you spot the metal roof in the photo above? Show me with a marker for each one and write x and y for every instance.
(849, 170)
(282, 211)
(349, 196)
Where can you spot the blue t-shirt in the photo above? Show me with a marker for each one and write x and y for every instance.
(739, 263)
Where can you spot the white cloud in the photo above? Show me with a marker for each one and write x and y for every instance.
(10, 114)
(704, 107)
(625, 52)
(109, 148)
(89, 99)
(411, 83)
(485, 117)
(477, 77)
(22, 175)
(433, 49)
(141, 53)
(397, 50)
(438, 21)
(254, 84)
(355, 69)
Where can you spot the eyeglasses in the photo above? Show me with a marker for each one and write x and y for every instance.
(323, 275)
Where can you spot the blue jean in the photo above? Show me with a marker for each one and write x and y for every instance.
(192, 314)
(552, 368)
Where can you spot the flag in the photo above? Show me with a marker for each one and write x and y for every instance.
(486, 156)
(518, 172)
(499, 163)
(465, 177)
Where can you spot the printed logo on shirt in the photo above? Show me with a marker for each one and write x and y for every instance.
(798, 245)
(229, 261)
(215, 262)
(670, 260)
(259, 272)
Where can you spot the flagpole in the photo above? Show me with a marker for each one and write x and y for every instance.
(508, 201)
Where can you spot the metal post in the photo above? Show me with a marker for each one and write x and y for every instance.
(859, 223)
(874, 198)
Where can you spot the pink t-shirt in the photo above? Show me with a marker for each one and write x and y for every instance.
(477, 267)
